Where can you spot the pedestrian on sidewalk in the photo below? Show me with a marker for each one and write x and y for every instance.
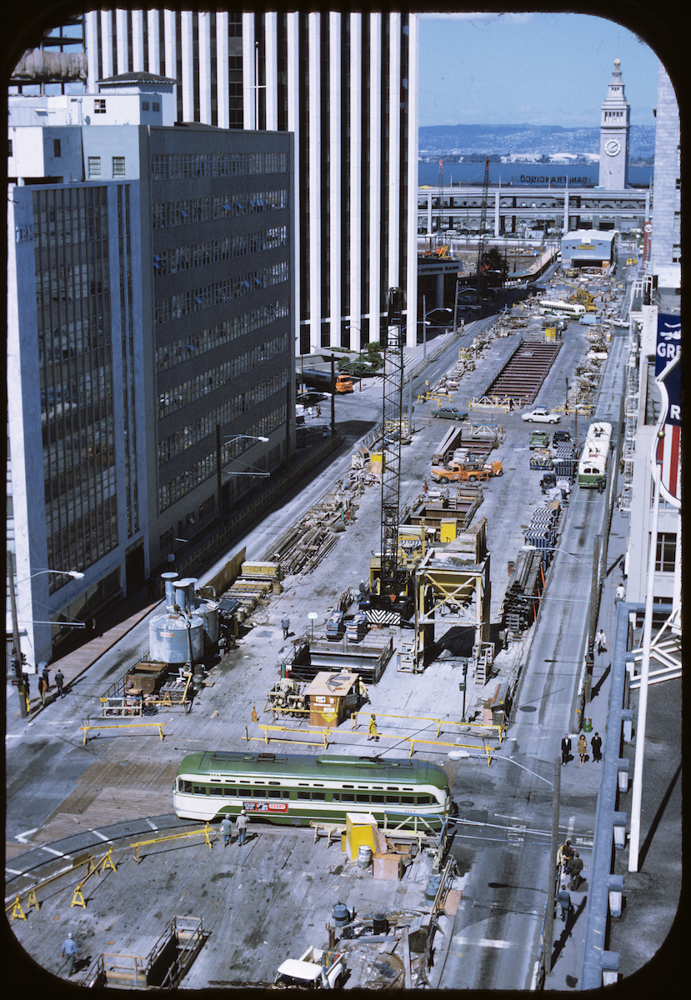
(564, 900)
(242, 827)
(319, 410)
(285, 624)
(59, 681)
(619, 596)
(372, 733)
(601, 642)
(70, 949)
(565, 749)
(567, 856)
(226, 830)
(576, 869)
(45, 674)
(582, 745)
(596, 744)
(42, 689)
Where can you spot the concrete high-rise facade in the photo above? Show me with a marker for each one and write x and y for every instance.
(656, 335)
(666, 235)
(346, 85)
(615, 124)
(150, 338)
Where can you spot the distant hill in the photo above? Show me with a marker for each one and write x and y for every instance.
(540, 139)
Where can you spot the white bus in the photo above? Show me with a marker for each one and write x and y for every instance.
(570, 310)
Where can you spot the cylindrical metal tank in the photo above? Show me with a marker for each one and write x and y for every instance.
(208, 612)
(180, 588)
(168, 584)
(172, 636)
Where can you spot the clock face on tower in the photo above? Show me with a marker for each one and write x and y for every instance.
(612, 147)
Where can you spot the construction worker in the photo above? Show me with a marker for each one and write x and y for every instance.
(372, 733)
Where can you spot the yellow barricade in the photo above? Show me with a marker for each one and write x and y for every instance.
(172, 836)
(121, 725)
(287, 729)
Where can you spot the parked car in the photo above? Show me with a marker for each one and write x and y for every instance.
(450, 413)
(312, 398)
(541, 415)
(560, 437)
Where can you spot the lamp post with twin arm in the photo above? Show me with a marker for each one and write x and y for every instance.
(219, 449)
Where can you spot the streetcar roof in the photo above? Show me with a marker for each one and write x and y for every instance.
(323, 766)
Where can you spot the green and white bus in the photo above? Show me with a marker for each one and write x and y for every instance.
(592, 467)
(295, 789)
(569, 310)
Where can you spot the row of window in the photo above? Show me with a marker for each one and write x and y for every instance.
(87, 538)
(192, 434)
(179, 213)
(93, 167)
(307, 794)
(169, 493)
(201, 254)
(215, 378)
(166, 166)
(220, 333)
(184, 303)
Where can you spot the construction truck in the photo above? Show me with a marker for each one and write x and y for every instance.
(314, 970)
(583, 296)
(466, 472)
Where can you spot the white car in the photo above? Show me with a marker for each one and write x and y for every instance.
(541, 415)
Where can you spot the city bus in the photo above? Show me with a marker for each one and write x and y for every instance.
(592, 467)
(569, 310)
(295, 789)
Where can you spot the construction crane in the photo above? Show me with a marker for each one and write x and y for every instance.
(441, 194)
(392, 431)
(581, 295)
(483, 220)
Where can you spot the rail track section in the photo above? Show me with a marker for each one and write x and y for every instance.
(522, 376)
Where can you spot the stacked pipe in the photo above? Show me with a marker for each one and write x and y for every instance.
(521, 599)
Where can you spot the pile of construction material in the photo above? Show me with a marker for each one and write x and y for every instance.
(256, 582)
(522, 598)
(303, 546)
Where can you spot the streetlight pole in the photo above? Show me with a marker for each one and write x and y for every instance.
(18, 663)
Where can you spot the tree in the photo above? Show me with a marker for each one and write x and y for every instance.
(494, 260)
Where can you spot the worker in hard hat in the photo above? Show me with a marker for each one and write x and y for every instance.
(372, 733)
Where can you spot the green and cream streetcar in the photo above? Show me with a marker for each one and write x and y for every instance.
(295, 789)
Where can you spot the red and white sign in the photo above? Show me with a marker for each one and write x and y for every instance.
(259, 806)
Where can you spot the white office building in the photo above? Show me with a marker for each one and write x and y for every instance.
(346, 85)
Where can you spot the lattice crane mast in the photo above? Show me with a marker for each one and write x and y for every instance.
(483, 220)
(391, 445)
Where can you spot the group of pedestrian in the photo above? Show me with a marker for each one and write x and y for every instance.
(571, 865)
(44, 682)
(227, 829)
(582, 748)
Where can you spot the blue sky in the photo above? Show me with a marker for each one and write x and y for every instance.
(539, 69)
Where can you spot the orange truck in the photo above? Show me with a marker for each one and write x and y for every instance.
(469, 472)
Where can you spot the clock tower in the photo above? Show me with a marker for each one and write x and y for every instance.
(615, 123)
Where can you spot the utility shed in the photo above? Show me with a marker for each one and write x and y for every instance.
(330, 695)
(594, 247)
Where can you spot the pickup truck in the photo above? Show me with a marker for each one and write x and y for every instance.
(308, 973)
(469, 472)
(538, 439)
